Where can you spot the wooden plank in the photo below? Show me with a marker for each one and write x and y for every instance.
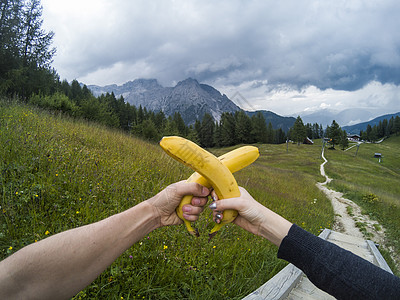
(361, 250)
(380, 261)
(279, 286)
(337, 236)
(325, 234)
(356, 245)
(306, 287)
(307, 290)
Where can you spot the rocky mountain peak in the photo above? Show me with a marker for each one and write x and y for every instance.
(188, 82)
(189, 97)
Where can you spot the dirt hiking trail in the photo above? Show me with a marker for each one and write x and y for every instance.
(344, 222)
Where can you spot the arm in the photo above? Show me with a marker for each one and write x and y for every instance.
(331, 268)
(60, 266)
(335, 270)
(253, 216)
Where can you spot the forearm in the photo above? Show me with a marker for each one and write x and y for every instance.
(335, 270)
(62, 265)
(274, 227)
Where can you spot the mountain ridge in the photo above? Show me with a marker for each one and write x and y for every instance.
(345, 117)
(188, 97)
(356, 128)
(193, 99)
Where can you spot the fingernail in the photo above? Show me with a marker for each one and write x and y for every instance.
(205, 191)
(217, 220)
(213, 205)
(196, 202)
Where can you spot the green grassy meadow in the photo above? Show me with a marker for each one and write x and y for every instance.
(374, 186)
(58, 173)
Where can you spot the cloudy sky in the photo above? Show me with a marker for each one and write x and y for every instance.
(284, 56)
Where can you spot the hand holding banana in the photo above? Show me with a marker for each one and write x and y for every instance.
(210, 172)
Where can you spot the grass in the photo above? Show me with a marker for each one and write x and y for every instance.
(285, 180)
(372, 185)
(58, 173)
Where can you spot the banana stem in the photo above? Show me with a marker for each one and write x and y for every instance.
(191, 230)
(211, 235)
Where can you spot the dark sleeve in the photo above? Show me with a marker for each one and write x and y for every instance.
(335, 270)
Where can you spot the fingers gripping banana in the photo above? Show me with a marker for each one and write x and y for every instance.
(234, 160)
(211, 171)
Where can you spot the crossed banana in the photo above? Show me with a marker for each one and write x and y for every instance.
(210, 172)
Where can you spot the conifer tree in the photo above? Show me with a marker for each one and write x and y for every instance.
(243, 127)
(217, 135)
(298, 131)
(334, 133)
(227, 127)
(344, 142)
(270, 134)
(180, 124)
(396, 125)
(259, 127)
(205, 131)
(25, 50)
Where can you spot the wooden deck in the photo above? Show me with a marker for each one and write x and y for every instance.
(291, 283)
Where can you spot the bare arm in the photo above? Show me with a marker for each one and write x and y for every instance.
(253, 216)
(60, 266)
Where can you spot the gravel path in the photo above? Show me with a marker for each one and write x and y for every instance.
(344, 222)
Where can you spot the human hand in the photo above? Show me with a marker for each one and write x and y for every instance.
(166, 201)
(250, 211)
(253, 216)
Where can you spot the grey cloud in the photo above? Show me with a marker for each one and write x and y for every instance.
(330, 44)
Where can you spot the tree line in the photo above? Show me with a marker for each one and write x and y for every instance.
(334, 134)
(25, 50)
(237, 128)
(233, 128)
(385, 128)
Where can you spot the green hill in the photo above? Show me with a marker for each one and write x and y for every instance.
(372, 185)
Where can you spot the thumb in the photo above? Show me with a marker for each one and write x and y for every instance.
(191, 188)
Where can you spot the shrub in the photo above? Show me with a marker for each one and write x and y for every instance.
(371, 198)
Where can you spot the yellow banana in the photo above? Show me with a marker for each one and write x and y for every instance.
(211, 171)
(234, 160)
